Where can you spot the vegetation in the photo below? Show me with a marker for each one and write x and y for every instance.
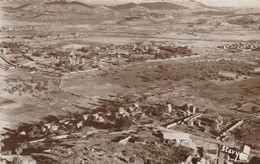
(242, 21)
(123, 123)
(13, 46)
(207, 70)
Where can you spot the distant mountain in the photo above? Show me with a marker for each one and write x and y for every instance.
(15, 8)
(71, 10)
(73, 3)
(151, 6)
(202, 5)
(162, 6)
(126, 6)
(54, 7)
(192, 4)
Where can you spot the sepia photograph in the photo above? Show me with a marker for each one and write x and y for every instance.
(129, 81)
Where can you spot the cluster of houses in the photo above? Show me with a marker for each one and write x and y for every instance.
(68, 35)
(98, 57)
(249, 45)
(91, 56)
(188, 112)
(225, 134)
(18, 28)
(76, 123)
(229, 154)
(190, 117)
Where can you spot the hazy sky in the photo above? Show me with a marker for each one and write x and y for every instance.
(232, 3)
(226, 3)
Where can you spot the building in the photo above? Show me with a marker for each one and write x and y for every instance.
(235, 125)
(54, 127)
(85, 117)
(244, 154)
(198, 122)
(246, 149)
(193, 110)
(171, 125)
(180, 137)
(169, 108)
(190, 123)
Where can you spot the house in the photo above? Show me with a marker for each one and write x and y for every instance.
(131, 108)
(198, 123)
(101, 119)
(188, 113)
(220, 120)
(246, 149)
(244, 154)
(122, 110)
(23, 133)
(193, 110)
(136, 105)
(179, 137)
(235, 125)
(96, 116)
(80, 124)
(85, 117)
(125, 140)
(48, 125)
(44, 129)
(54, 127)
(67, 122)
(172, 124)
(190, 123)
(169, 108)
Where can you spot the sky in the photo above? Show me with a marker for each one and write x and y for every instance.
(232, 3)
(224, 3)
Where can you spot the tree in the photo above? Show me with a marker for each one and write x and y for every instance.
(254, 109)
(123, 123)
(34, 132)
(36, 54)
(132, 159)
(157, 112)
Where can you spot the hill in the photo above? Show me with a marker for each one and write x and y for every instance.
(162, 6)
(71, 10)
(151, 6)
(126, 6)
(68, 3)
(52, 7)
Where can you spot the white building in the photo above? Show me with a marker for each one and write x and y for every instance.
(85, 117)
(169, 108)
(245, 153)
(179, 137)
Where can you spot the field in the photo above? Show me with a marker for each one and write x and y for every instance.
(121, 68)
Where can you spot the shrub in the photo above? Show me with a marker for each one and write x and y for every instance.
(36, 54)
(123, 123)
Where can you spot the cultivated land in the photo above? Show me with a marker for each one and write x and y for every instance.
(76, 79)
